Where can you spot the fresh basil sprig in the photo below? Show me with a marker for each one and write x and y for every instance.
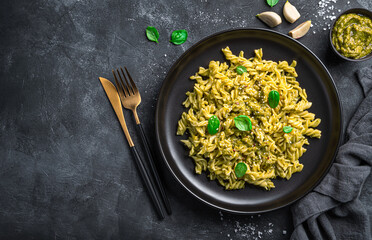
(179, 37)
(243, 123)
(240, 169)
(152, 34)
(272, 3)
(213, 125)
(240, 70)
(287, 129)
(273, 99)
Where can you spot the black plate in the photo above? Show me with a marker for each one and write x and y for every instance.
(312, 75)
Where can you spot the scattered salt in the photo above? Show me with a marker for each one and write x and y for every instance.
(252, 230)
(326, 13)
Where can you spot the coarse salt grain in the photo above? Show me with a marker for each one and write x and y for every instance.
(252, 231)
(326, 12)
(221, 215)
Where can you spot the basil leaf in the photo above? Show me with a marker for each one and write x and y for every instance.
(152, 34)
(273, 99)
(240, 70)
(272, 3)
(287, 129)
(179, 37)
(243, 123)
(213, 125)
(240, 169)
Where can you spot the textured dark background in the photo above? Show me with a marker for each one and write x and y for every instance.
(66, 171)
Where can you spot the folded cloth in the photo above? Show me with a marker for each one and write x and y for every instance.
(333, 209)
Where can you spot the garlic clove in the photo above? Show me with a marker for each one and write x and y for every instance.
(300, 30)
(290, 12)
(272, 19)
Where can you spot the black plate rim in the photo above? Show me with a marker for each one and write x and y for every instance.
(162, 90)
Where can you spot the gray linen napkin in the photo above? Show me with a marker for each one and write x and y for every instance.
(333, 209)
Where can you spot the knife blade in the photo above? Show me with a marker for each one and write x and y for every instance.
(114, 98)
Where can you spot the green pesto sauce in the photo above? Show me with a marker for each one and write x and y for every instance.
(352, 35)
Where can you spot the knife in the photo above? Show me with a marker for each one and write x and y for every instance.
(113, 96)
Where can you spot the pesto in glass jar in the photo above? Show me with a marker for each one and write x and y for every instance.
(352, 35)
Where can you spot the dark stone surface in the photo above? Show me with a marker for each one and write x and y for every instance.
(66, 171)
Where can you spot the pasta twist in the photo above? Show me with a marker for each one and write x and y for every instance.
(267, 151)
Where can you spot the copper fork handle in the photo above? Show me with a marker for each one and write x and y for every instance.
(136, 116)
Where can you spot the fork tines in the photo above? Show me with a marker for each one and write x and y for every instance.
(129, 89)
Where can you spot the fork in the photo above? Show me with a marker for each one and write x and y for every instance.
(130, 99)
(114, 98)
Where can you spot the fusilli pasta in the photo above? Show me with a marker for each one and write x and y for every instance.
(266, 149)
